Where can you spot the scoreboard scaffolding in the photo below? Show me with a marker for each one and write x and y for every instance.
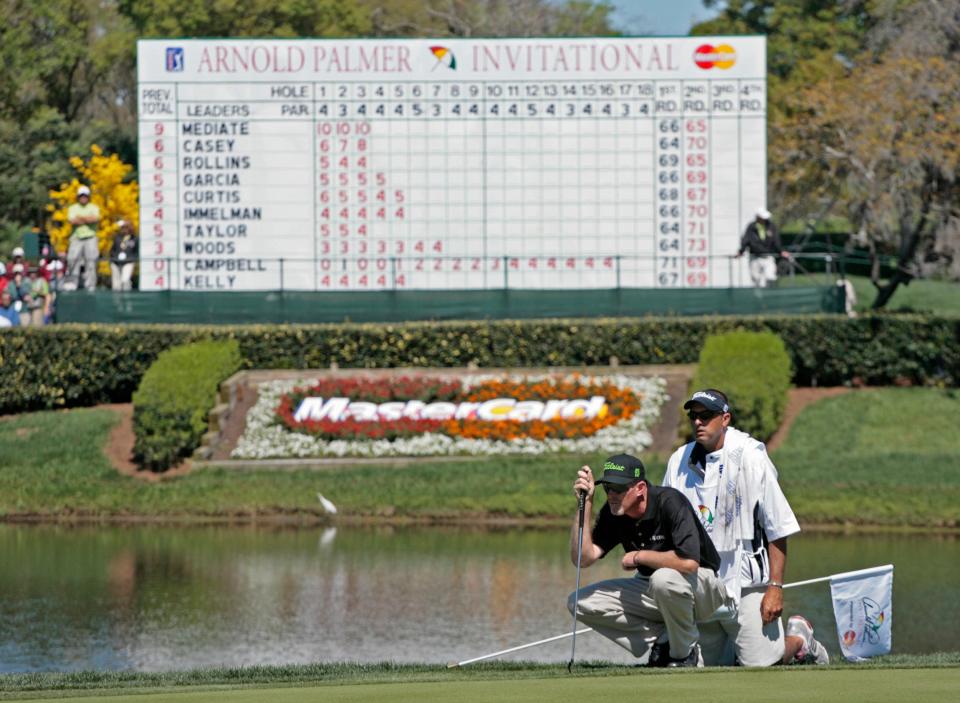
(363, 165)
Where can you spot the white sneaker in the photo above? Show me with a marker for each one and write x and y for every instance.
(812, 650)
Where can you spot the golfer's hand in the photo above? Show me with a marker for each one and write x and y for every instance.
(771, 606)
(584, 482)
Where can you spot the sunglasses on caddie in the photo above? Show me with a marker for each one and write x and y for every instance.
(701, 415)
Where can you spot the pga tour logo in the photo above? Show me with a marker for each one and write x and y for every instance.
(174, 59)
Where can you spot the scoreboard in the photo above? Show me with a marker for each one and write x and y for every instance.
(380, 164)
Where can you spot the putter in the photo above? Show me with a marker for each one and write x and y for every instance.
(582, 501)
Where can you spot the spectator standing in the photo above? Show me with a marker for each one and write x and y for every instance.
(83, 251)
(39, 298)
(762, 241)
(19, 290)
(9, 317)
(58, 271)
(123, 256)
(6, 271)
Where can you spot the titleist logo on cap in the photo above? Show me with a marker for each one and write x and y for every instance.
(701, 394)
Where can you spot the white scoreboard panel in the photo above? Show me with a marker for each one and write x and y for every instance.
(336, 165)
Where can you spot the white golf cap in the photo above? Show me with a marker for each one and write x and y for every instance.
(18, 251)
(18, 268)
(763, 213)
(83, 190)
(121, 223)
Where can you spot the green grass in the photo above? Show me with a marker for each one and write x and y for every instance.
(54, 465)
(933, 678)
(942, 297)
(878, 456)
(872, 457)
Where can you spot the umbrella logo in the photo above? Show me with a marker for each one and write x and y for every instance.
(444, 57)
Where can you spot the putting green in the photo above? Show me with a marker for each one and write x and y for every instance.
(782, 685)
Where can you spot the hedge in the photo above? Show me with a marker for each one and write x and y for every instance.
(71, 365)
(753, 370)
(172, 403)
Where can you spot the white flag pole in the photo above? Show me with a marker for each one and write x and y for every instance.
(842, 575)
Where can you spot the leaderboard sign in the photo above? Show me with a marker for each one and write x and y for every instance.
(361, 165)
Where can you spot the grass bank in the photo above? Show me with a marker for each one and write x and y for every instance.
(920, 679)
(940, 297)
(875, 457)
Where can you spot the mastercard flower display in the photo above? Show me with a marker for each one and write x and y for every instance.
(436, 416)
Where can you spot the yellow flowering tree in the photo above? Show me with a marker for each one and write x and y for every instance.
(117, 198)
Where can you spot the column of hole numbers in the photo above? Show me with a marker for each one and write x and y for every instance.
(353, 197)
(418, 238)
(669, 191)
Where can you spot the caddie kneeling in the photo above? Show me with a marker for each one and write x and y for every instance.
(676, 581)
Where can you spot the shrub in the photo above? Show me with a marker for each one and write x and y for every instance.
(753, 370)
(64, 366)
(171, 405)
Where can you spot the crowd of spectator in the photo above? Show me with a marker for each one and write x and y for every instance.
(28, 290)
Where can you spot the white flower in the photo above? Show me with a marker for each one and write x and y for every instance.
(263, 438)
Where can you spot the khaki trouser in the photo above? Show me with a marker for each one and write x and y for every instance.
(634, 612)
(83, 252)
(744, 638)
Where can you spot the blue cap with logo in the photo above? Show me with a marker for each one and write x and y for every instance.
(711, 399)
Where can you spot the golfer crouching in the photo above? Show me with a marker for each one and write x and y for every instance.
(676, 582)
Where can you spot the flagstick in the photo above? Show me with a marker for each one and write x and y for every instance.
(453, 665)
(845, 574)
(842, 575)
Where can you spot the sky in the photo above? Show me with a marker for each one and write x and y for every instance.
(659, 17)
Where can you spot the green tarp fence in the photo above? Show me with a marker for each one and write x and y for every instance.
(396, 306)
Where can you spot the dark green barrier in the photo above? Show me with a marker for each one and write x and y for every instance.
(398, 306)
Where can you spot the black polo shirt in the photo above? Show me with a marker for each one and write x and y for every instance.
(669, 524)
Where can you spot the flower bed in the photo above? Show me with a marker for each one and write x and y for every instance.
(274, 430)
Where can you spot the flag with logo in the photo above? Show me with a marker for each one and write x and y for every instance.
(863, 608)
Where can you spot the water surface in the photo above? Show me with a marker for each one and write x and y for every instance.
(162, 598)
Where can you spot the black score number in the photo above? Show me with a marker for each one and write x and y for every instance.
(669, 213)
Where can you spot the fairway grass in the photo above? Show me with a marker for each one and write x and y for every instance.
(800, 684)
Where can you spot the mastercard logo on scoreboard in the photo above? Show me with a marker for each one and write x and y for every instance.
(710, 56)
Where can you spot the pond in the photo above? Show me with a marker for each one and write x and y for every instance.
(152, 598)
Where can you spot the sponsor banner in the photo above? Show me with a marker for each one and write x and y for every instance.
(424, 415)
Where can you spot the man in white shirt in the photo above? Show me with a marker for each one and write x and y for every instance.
(729, 479)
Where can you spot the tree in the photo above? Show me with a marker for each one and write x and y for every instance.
(63, 54)
(808, 41)
(247, 18)
(66, 72)
(883, 143)
(864, 122)
(489, 18)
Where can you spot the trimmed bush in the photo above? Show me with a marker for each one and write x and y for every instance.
(73, 365)
(172, 403)
(753, 370)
